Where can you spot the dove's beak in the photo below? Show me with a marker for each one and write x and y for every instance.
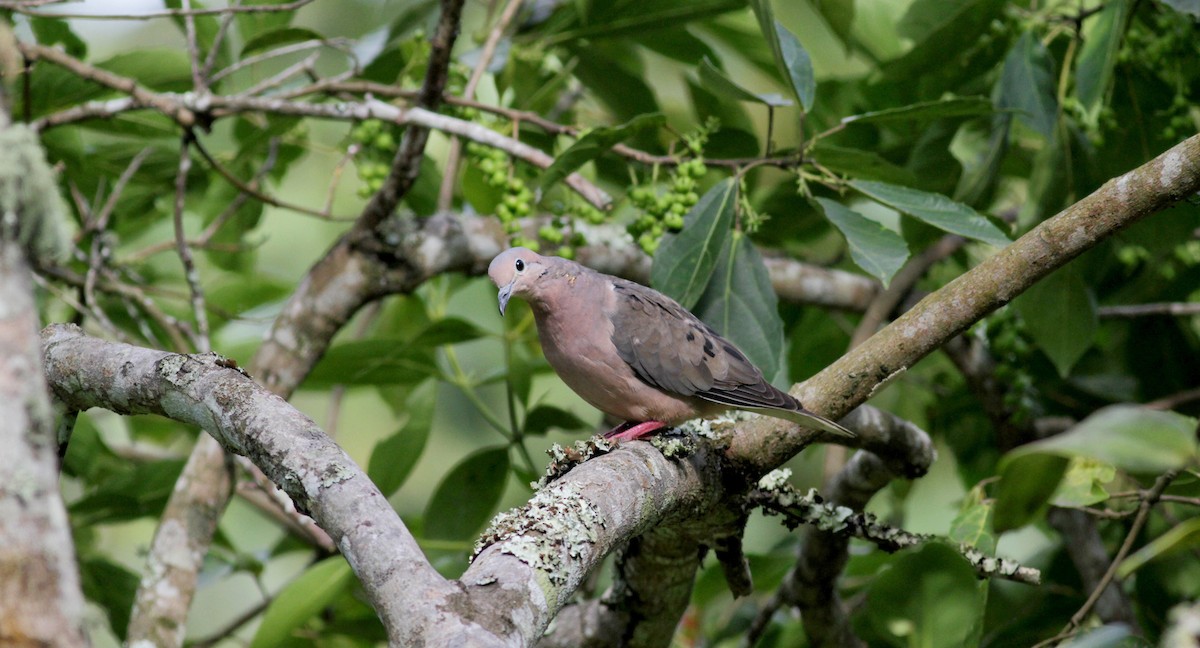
(503, 296)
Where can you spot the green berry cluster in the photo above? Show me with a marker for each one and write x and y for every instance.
(560, 233)
(1011, 349)
(664, 212)
(378, 143)
(517, 199)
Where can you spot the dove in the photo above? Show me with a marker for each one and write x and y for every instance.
(634, 353)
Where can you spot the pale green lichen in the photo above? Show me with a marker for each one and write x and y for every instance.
(555, 524)
(562, 460)
(773, 480)
(31, 209)
(169, 368)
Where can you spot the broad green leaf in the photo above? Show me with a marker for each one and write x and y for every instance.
(1026, 483)
(766, 25)
(302, 599)
(928, 598)
(1102, 41)
(979, 178)
(55, 31)
(394, 457)
(112, 587)
(1083, 483)
(796, 65)
(540, 419)
(741, 304)
(470, 492)
(139, 490)
(839, 16)
(1182, 536)
(1027, 85)
(251, 25)
(1060, 314)
(875, 248)
(934, 209)
(448, 330)
(372, 362)
(927, 111)
(595, 143)
(685, 261)
(973, 524)
(620, 21)
(940, 28)
(163, 69)
(857, 163)
(387, 361)
(1134, 439)
(277, 38)
(715, 80)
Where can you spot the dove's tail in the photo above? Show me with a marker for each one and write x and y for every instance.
(808, 419)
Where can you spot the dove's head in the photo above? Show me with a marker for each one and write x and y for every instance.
(515, 272)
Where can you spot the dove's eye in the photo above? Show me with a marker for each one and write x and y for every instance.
(520, 265)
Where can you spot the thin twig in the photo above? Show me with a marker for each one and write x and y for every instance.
(1149, 499)
(190, 274)
(406, 164)
(450, 177)
(1177, 309)
(22, 7)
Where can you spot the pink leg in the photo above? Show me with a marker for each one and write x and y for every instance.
(630, 431)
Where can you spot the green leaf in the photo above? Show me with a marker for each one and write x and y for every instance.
(394, 457)
(389, 361)
(796, 65)
(112, 587)
(875, 248)
(766, 25)
(252, 24)
(1027, 85)
(163, 69)
(595, 143)
(1026, 483)
(939, 27)
(302, 599)
(467, 496)
(1183, 536)
(279, 37)
(1060, 314)
(839, 16)
(1102, 41)
(685, 261)
(928, 598)
(54, 31)
(448, 330)
(372, 362)
(973, 524)
(857, 163)
(1083, 483)
(540, 419)
(714, 80)
(741, 305)
(1134, 439)
(927, 111)
(934, 209)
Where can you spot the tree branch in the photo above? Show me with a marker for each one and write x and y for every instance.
(864, 371)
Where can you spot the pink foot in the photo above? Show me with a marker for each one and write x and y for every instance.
(630, 431)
